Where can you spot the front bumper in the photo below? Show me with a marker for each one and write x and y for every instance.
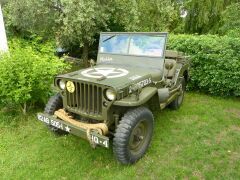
(93, 137)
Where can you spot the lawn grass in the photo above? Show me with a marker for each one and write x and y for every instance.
(200, 140)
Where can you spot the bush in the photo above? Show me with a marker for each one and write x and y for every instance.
(27, 73)
(215, 62)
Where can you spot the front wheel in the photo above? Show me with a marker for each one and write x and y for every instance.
(133, 135)
(54, 103)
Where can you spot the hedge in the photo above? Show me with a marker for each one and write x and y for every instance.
(215, 62)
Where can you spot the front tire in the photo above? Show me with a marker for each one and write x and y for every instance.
(133, 135)
(54, 103)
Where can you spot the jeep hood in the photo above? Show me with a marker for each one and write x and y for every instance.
(114, 76)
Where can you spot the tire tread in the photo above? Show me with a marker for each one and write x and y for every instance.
(123, 130)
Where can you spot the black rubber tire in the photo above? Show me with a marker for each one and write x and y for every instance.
(54, 103)
(179, 100)
(124, 130)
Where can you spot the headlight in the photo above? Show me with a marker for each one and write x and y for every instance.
(110, 94)
(62, 84)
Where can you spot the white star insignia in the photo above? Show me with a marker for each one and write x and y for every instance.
(67, 129)
(104, 71)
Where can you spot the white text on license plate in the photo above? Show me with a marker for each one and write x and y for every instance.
(97, 140)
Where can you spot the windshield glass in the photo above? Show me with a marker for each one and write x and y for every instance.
(141, 45)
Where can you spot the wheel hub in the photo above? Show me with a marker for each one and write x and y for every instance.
(137, 137)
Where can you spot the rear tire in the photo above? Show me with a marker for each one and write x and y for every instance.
(133, 135)
(54, 103)
(179, 100)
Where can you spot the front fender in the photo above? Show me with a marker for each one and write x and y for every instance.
(146, 94)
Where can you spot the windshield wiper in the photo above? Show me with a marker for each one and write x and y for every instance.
(109, 38)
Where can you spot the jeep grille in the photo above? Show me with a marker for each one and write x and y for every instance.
(87, 98)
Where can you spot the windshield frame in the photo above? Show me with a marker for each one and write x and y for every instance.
(131, 34)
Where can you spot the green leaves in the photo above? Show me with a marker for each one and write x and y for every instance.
(207, 16)
(151, 15)
(78, 22)
(81, 20)
(27, 73)
(215, 62)
(231, 20)
(28, 17)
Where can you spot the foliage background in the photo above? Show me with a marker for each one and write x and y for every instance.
(206, 30)
(27, 73)
(215, 62)
(77, 23)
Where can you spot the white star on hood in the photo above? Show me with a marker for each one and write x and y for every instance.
(107, 72)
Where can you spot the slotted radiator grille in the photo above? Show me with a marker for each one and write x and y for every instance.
(86, 98)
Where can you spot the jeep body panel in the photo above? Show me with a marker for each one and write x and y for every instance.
(129, 76)
(146, 94)
(121, 85)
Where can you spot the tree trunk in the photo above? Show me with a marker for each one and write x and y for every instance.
(24, 108)
(85, 54)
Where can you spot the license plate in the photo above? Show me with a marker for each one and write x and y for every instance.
(96, 138)
(99, 141)
(54, 123)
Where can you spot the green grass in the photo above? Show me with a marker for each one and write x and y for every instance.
(200, 140)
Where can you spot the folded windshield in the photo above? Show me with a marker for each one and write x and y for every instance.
(141, 45)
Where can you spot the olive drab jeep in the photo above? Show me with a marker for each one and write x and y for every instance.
(109, 99)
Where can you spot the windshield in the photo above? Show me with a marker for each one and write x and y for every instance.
(141, 45)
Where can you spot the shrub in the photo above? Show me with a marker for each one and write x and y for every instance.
(27, 73)
(215, 62)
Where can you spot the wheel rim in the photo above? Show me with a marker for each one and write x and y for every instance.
(138, 137)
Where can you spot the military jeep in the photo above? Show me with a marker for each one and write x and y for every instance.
(109, 100)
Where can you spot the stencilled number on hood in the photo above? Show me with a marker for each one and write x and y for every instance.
(144, 82)
(140, 84)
